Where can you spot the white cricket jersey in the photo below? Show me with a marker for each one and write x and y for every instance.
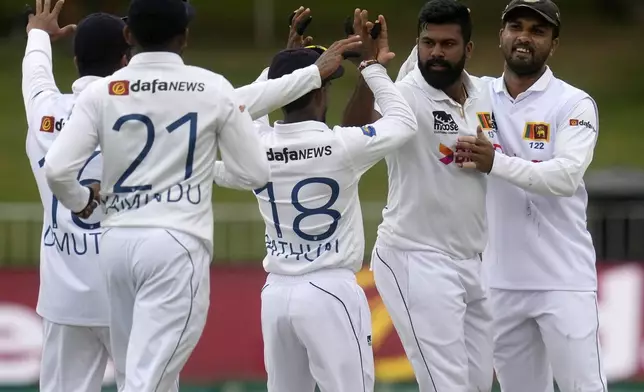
(537, 201)
(158, 123)
(72, 287)
(311, 205)
(433, 205)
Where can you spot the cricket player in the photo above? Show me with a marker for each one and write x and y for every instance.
(427, 258)
(158, 123)
(72, 298)
(540, 259)
(316, 322)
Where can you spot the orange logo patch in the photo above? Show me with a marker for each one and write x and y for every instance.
(242, 108)
(119, 87)
(574, 122)
(47, 124)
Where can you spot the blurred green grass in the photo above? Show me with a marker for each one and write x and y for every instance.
(612, 78)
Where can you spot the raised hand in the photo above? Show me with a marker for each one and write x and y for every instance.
(300, 20)
(46, 19)
(384, 56)
(332, 58)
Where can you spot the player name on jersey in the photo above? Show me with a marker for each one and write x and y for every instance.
(298, 251)
(175, 194)
(125, 87)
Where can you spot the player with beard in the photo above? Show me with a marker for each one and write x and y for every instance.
(426, 262)
(540, 259)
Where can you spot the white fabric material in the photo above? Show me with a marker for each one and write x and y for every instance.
(440, 311)
(541, 333)
(317, 329)
(159, 292)
(74, 358)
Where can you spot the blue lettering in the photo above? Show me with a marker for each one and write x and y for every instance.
(80, 244)
(174, 200)
(198, 194)
(294, 253)
(286, 249)
(64, 244)
(175, 194)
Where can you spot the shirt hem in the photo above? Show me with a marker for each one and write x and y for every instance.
(543, 288)
(72, 322)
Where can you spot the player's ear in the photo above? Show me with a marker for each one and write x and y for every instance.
(501, 37)
(184, 44)
(124, 61)
(76, 63)
(468, 50)
(127, 34)
(555, 45)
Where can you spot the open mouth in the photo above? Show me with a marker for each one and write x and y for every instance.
(437, 67)
(524, 51)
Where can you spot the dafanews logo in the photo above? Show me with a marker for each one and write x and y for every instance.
(48, 124)
(287, 156)
(119, 87)
(581, 123)
(126, 87)
(444, 123)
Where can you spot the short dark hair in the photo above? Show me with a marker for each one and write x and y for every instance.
(154, 23)
(446, 12)
(303, 101)
(99, 45)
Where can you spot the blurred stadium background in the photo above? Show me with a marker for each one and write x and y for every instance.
(237, 38)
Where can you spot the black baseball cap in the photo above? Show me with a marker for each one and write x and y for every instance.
(99, 39)
(157, 21)
(290, 60)
(546, 8)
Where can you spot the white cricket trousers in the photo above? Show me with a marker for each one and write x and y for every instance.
(439, 309)
(74, 358)
(317, 329)
(158, 285)
(537, 333)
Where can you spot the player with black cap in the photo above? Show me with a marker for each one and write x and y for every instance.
(73, 296)
(540, 258)
(316, 322)
(159, 124)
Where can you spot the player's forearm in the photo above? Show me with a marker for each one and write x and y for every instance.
(360, 108)
(261, 98)
(66, 188)
(37, 68)
(392, 104)
(556, 177)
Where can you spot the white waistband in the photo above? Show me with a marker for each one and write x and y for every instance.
(331, 273)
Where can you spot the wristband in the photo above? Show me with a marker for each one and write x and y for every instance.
(367, 63)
